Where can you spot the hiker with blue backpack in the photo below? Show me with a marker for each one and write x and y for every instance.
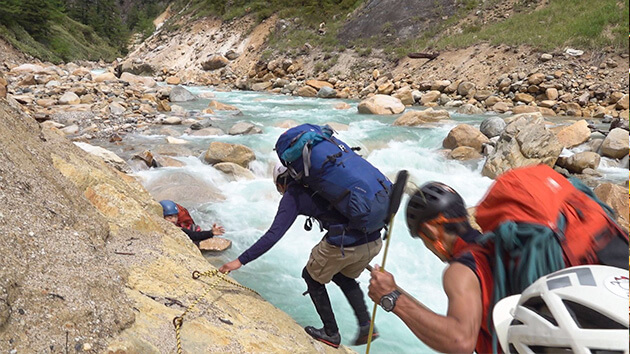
(323, 178)
(535, 221)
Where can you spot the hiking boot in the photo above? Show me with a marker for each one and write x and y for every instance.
(364, 332)
(321, 335)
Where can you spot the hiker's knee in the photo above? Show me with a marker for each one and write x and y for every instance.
(343, 281)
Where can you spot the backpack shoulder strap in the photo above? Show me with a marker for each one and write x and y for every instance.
(579, 185)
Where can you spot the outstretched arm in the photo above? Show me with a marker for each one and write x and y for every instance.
(286, 215)
(198, 235)
(454, 333)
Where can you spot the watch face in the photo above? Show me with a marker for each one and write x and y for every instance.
(387, 303)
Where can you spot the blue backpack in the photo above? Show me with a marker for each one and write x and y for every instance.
(328, 166)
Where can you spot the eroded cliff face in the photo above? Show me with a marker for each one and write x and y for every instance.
(88, 264)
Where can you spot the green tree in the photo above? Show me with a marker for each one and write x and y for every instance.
(33, 16)
(9, 10)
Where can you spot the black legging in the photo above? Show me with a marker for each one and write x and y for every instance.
(319, 296)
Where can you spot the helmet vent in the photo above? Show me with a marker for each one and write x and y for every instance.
(587, 318)
(543, 349)
(537, 305)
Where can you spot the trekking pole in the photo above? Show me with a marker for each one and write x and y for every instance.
(394, 202)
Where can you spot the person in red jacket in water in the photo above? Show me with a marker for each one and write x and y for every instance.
(179, 216)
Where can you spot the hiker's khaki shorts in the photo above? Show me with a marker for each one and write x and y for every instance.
(326, 260)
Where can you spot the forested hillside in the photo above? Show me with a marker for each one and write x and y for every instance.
(65, 30)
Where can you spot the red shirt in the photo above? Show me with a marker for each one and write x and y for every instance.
(478, 259)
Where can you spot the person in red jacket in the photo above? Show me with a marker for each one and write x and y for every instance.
(180, 216)
(437, 215)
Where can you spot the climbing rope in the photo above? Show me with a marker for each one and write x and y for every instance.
(394, 203)
(179, 320)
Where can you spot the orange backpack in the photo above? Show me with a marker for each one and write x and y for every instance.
(536, 222)
(539, 195)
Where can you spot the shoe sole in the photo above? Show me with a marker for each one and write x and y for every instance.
(319, 339)
(362, 342)
(336, 346)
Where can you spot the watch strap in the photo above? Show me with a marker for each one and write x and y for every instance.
(393, 296)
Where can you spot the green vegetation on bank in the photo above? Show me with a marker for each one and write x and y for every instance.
(66, 30)
(310, 11)
(555, 24)
(579, 23)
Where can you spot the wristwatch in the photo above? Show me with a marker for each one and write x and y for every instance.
(388, 301)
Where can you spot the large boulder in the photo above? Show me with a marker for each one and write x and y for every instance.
(615, 144)
(326, 92)
(469, 109)
(234, 171)
(139, 80)
(466, 88)
(525, 141)
(615, 196)
(413, 118)
(525, 109)
(492, 126)
(318, 84)
(135, 66)
(463, 153)
(306, 91)
(405, 95)
(28, 68)
(210, 131)
(523, 97)
(261, 86)
(216, 105)
(244, 128)
(622, 104)
(465, 135)
(216, 61)
(575, 134)
(183, 186)
(109, 157)
(579, 162)
(381, 104)
(429, 97)
(180, 94)
(69, 98)
(225, 152)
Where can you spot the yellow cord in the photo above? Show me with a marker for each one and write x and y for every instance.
(179, 320)
(389, 234)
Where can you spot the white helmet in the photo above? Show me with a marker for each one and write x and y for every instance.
(279, 171)
(578, 309)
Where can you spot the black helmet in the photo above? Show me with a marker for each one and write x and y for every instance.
(429, 201)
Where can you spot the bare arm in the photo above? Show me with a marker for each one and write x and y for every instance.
(454, 333)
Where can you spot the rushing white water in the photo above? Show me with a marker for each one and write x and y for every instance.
(250, 205)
